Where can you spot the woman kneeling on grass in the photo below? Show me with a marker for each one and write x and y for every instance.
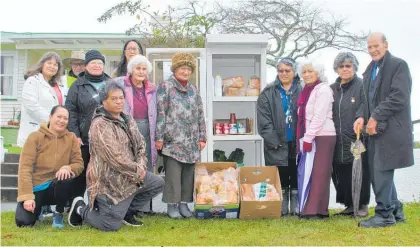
(49, 161)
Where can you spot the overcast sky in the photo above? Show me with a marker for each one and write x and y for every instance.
(399, 20)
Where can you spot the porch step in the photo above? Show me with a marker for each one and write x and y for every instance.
(9, 181)
(9, 194)
(11, 158)
(8, 168)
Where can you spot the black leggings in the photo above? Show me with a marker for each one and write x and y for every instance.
(80, 185)
(288, 174)
(58, 193)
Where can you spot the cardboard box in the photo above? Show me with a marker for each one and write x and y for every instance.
(260, 209)
(228, 211)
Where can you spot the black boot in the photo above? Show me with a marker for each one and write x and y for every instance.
(399, 213)
(378, 221)
(294, 206)
(285, 205)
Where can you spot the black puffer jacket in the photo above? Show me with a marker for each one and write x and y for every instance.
(348, 99)
(81, 106)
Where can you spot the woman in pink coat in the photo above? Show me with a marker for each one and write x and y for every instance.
(315, 126)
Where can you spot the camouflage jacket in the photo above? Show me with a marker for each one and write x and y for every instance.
(180, 120)
(118, 157)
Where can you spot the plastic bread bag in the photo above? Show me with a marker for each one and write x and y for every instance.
(265, 192)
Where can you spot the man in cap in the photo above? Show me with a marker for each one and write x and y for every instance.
(76, 62)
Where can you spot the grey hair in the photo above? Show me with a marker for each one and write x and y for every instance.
(289, 62)
(317, 66)
(345, 57)
(109, 86)
(136, 60)
(383, 37)
(38, 67)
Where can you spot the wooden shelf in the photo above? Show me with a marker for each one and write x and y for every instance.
(236, 99)
(237, 138)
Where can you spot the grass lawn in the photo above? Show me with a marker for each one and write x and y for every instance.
(164, 231)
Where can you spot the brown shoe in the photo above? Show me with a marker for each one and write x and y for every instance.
(363, 211)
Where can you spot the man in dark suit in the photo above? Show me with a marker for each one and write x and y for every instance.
(387, 111)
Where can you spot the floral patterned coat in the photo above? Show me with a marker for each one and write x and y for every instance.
(180, 120)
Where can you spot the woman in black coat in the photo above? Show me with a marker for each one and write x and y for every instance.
(348, 99)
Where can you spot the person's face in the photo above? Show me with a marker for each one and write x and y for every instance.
(309, 75)
(346, 71)
(77, 66)
(95, 67)
(183, 73)
(285, 73)
(131, 50)
(59, 120)
(50, 68)
(114, 104)
(139, 72)
(377, 47)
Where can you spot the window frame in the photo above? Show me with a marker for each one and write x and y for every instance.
(14, 55)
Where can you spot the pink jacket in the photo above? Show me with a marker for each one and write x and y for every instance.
(319, 120)
(152, 108)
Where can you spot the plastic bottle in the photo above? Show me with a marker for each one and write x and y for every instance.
(218, 86)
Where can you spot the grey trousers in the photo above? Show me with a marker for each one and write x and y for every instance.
(108, 217)
(382, 184)
(179, 181)
(143, 126)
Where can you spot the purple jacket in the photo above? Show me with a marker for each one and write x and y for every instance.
(152, 108)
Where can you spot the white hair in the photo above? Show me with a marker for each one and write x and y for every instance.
(317, 66)
(136, 60)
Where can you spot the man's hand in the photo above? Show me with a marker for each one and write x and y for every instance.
(64, 173)
(159, 145)
(80, 141)
(29, 205)
(202, 145)
(358, 123)
(371, 126)
(143, 174)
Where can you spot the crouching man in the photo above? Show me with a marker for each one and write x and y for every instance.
(117, 178)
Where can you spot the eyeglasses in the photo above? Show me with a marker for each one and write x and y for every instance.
(117, 99)
(132, 49)
(347, 66)
(77, 64)
(97, 63)
(284, 71)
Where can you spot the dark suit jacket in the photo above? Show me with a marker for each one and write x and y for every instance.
(392, 109)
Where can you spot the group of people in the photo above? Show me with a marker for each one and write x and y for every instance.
(89, 132)
(325, 119)
(102, 136)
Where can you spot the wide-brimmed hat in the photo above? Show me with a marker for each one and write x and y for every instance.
(75, 55)
(183, 59)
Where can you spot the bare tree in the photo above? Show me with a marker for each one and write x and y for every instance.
(297, 28)
(184, 26)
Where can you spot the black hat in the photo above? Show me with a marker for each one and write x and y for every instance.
(92, 55)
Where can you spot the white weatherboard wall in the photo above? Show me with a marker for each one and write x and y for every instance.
(7, 105)
(228, 56)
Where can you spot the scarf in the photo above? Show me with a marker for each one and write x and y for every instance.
(301, 102)
(95, 78)
(287, 102)
(182, 82)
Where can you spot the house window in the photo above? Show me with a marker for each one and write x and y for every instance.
(8, 73)
(111, 64)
